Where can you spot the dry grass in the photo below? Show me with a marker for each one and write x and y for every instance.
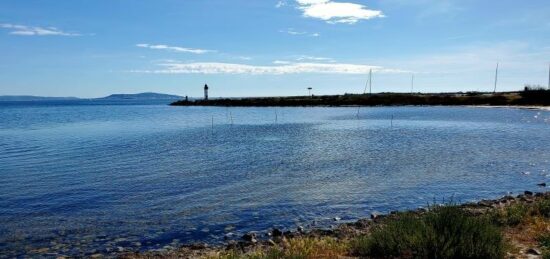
(297, 248)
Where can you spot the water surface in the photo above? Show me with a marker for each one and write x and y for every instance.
(81, 177)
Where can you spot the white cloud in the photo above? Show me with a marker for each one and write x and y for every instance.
(172, 48)
(337, 12)
(292, 31)
(281, 68)
(313, 58)
(281, 62)
(280, 4)
(24, 30)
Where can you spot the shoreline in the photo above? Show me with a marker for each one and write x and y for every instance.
(526, 98)
(255, 241)
(521, 107)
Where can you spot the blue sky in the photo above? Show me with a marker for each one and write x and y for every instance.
(92, 48)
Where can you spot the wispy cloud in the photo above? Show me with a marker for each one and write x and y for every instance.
(337, 12)
(292, 31)
(313, 58)
(280, 4)
(172, 48)
(24, 30)
(279, 69)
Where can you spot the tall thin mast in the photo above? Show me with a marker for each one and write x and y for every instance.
(548, 76)
(496, 79)
(412, 83)
(370, 81)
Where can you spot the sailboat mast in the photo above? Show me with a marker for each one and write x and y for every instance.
(496, 80)
(370, 81)
(548, 76)
(412, 83)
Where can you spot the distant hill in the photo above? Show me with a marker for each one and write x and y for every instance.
(141, 96)
(113, 97)
(21, 98)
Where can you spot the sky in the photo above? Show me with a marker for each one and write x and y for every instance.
(93, 48)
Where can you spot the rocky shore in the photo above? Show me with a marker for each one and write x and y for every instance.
(253, 242)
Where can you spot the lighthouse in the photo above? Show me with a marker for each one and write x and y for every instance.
(205, 92)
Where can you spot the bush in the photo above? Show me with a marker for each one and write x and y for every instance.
(544, 242)
(543, 208)
(444, 232)
(510, 216)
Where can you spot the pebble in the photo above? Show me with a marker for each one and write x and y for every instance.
(276, 232)
(533, 251)
(300, 229)
(249, 237)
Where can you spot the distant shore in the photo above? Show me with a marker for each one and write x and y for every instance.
(527, 98)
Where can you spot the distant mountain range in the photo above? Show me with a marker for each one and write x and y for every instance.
(140, 96)
(16, 98)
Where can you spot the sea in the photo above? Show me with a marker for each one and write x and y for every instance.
(79, 177)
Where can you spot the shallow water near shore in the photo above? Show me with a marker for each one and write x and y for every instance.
(83, 177)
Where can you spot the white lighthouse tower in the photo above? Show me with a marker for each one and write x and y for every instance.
(205, 92)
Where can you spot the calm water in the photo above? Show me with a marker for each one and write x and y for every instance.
(97, 176)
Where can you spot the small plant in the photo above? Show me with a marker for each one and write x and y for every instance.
(444, 232)
(510, 216)
(544, 242)
(543, 208)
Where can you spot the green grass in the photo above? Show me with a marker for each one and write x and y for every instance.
(512, 215)
(444, 232)
(544, 242)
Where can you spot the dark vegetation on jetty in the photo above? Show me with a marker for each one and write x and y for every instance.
(530, 96)
(509, 227)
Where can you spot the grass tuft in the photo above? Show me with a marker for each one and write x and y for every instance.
(444, 232)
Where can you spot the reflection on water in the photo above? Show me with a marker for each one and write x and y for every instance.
(102, 176)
